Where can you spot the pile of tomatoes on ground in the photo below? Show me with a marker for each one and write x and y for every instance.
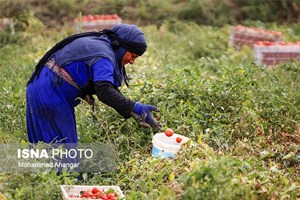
(96, 193)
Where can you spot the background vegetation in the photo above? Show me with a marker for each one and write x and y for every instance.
(243, 119)
(210, 12)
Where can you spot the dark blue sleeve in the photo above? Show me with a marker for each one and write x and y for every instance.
(109, 95)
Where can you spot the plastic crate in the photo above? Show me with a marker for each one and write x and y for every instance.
(68, 190)
(242, 35)
(273, 53)
(96, 22)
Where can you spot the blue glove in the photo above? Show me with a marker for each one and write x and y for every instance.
(144, 111)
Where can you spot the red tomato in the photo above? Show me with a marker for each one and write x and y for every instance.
(97, 17)
(178, 139)
(115, 16)
(84, 18)
(87, 193)
(169, 132)
(95, 190)
(84, 195)
(103, 197)
(110, 195)
(107, 17)
(267, 43)
(99, 194)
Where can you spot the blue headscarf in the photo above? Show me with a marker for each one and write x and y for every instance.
(92, 48)
(131, 38)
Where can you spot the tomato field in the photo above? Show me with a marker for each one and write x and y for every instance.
(243, 120)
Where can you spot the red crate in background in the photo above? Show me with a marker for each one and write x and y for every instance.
(273, 53)
(96, 22)
(242, 35)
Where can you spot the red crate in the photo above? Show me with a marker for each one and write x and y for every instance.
(96, 22)
(273, 53)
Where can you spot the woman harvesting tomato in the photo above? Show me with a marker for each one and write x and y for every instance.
(80, 66)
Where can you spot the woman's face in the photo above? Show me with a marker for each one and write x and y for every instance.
(129, 58)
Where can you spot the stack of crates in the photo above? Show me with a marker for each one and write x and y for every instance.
(268, 46)
(274, 53)
(242, 35)
(96, 22)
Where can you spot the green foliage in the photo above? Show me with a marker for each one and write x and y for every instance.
(231, 178)
(265, 10)
(42, 9)
(221, 179)
(54, 13)
(105, 7)
(218, 12)
(7, 38)
(208, 12)
(35, 185)
(245, 118)
(151, 178)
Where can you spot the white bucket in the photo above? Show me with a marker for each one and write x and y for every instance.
(166, 147)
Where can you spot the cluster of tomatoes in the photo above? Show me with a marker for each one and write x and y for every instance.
(267, 43)
(169, 133)
(98, 17)
(259, 30)
(96, 193)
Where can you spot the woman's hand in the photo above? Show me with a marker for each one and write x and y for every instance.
(142, 114)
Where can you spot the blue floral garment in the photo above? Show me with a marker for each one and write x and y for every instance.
(50, 113)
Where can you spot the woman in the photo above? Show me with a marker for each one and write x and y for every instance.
(78, 66)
